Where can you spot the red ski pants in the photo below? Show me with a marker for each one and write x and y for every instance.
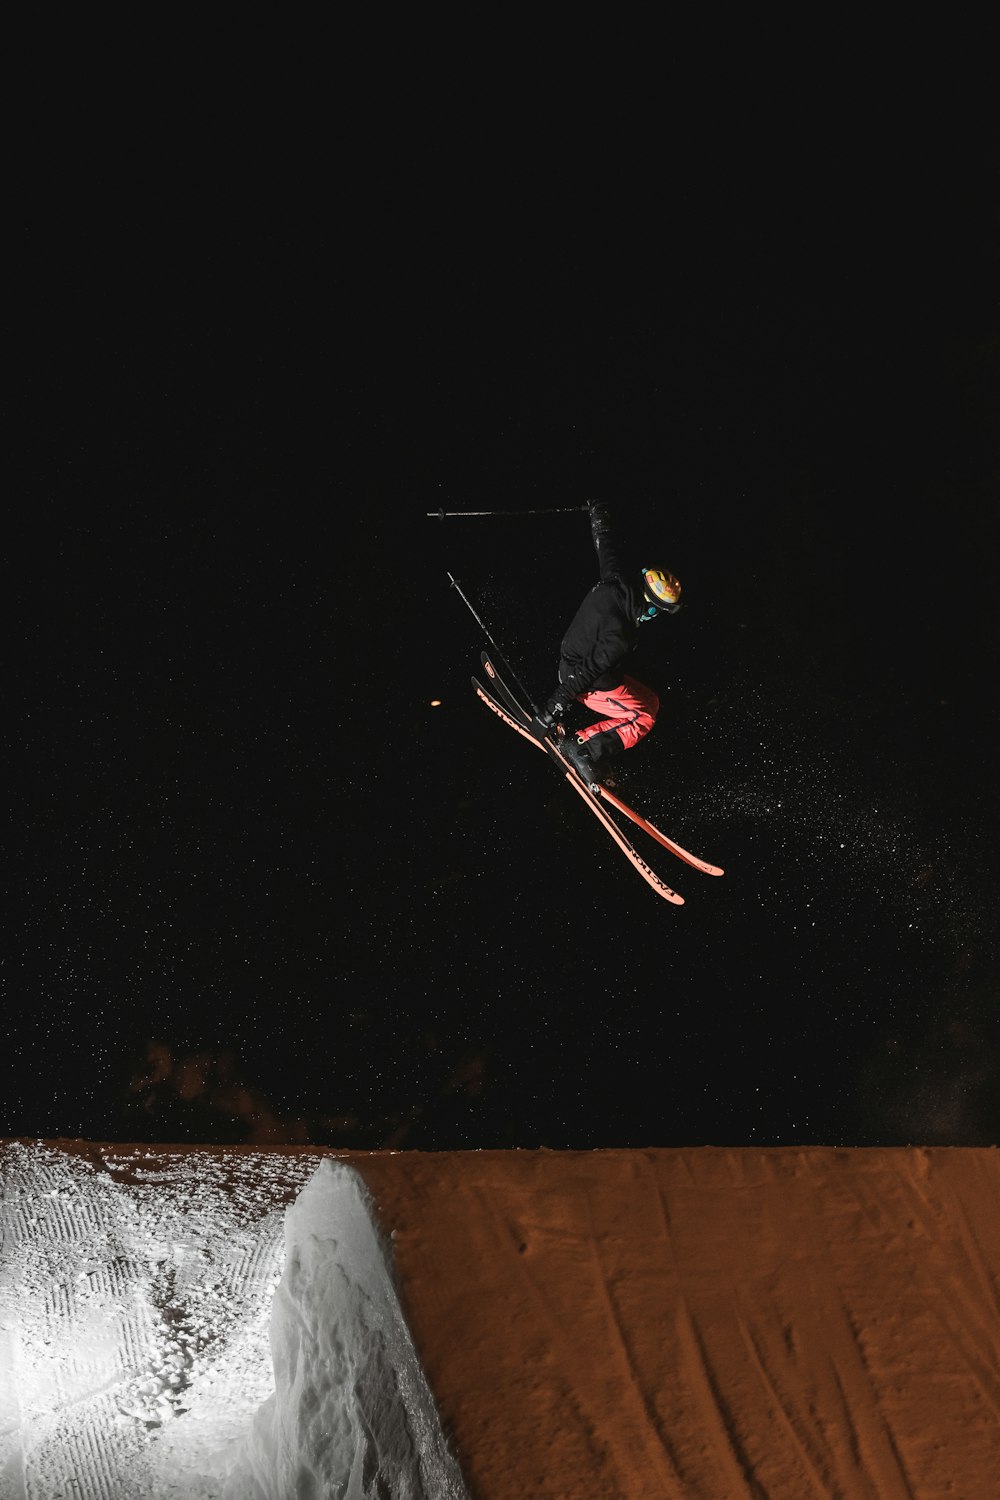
(630, 709)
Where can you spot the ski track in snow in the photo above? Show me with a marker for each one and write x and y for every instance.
(134, 1318)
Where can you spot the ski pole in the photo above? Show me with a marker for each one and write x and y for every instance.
(556, 510)
(465, 600)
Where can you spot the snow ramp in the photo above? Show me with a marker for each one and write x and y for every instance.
(351, 1414)
(697, 1324)
(167, 1329)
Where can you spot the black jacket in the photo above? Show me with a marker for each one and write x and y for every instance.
(602, 633)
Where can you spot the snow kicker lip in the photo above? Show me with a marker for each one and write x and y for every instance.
(337, 1328)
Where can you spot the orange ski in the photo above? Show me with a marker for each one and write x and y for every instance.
(579, 785)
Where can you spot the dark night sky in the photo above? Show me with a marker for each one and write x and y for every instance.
(260, 889)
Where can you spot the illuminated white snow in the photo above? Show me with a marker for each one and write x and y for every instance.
(136, 1311)
(351, 1407)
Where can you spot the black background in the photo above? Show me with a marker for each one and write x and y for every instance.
(259, 888)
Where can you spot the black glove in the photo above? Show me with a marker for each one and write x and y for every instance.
(555, 708)
(600, 516)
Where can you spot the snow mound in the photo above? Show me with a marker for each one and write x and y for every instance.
(139, 1290)
(352, 1415)
(135, 1298)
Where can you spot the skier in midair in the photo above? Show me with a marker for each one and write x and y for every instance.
(596, 648)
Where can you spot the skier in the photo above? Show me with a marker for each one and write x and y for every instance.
(596, 649)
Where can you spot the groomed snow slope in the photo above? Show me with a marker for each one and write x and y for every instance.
(698, 1324)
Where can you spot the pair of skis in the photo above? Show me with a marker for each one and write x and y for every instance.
(509, 707)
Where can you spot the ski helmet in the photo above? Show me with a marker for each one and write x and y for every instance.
(661, 591)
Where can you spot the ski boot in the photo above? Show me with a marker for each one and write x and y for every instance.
(575, 751)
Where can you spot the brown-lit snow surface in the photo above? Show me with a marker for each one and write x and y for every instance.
(705, 1323)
